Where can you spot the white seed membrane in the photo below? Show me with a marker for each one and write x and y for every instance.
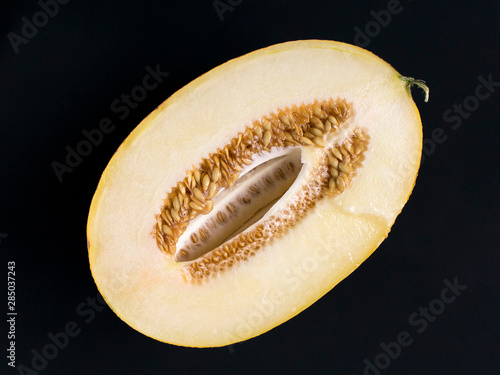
(148, 289)
(240, 206)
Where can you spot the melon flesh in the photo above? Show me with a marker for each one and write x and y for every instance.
(146, 288)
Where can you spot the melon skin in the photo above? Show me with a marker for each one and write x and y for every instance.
(146, 289)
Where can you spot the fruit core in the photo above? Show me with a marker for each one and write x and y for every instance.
(216, 216)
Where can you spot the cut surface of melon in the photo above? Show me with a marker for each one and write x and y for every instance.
(317, 228)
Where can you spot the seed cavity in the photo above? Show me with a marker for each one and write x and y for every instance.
(246, 202)
(213, 219)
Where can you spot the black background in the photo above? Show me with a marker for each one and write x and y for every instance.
(64, 79)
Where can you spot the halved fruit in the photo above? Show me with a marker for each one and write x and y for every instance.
(252, 191)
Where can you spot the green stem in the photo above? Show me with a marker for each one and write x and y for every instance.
(410, 81)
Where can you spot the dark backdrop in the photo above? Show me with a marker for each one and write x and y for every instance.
(62, 77)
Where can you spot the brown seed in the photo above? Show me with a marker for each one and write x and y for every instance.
(205, 181)
(183, 252)
(230, 207)
(232, 178)
(340, 184)
(197, 176)
(195, 206)
(348, 147)
(198, 194)
(320, 126)
(276, 124)
(165, 217)
(223, 166)
(319, 141)
(316, 121)
(318, 112)
(309, 135)
(334, 109)
(328, 126)
(203, 234)
(337, 153)
(266, 125)
(198, 202)
(215, 174)
(212, 190)
(159, 238)
(333, 121)
(288, 136)
(343, 109)
(176, 203)
(283, 119)
(164, 247)
(333, 161)
(344, 151)
(208, 207)
(220, 217)
(182, 188)
(159, 223)
(317, 132)
(257, 130)
(266, 138)
(167, 213)
(248, 135)
(334, 172)
(240, 137)
(331, 183)
(193, 183)
(280, 174)
(188, 180)
(194, 238)
(217, 160)
(359, 134)
(307, 141)
(346, 168)
(254, 189)
(175, 214)
(358, 148)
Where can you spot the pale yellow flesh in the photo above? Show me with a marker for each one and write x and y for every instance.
(145, 288)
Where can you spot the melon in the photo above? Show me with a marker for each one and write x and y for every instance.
(254, 190)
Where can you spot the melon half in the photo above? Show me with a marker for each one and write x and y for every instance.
(253, 191)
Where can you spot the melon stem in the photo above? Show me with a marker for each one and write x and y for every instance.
(410, 81)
